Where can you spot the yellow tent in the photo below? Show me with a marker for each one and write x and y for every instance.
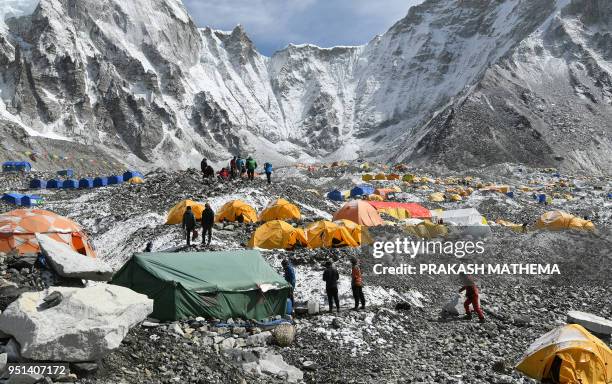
(559, 220)
(408, 178)
(236, 210)
(569, 355)
(314, 192)
(436, 197)
(277, 234)
(427, 230)
(327, 234)
(359, 232)
(175, 216)
(136, 180)
(375, 197)
(455, 197)
(513, 226)
(367, 177)
(380, 176)
(393, 176)
(280, 209)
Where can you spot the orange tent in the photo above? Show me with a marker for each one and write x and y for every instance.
(360, 212)
(18, 231)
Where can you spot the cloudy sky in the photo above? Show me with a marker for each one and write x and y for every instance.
(272, 24)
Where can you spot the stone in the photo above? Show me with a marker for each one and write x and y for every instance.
(68, 263)
(284, 335)
(259, 339)
(239, 330)
(3, 361)
(454, 306)
(227, 343)
(176, 329)
(274, 364)
(593, 323)
(88, 323)
(12, 349)
(84, 368)
(149, 324)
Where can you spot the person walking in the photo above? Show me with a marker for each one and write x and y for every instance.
(203, 165)
(251, 165)
(268, 171)
(189, 224)
(233, 167)
(357, 284)
(471, 294)
(208, 221)
(241, 165)
(331, 277)
(289, 274)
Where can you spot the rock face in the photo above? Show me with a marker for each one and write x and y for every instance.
(85, 326)
(68, 263)
(591, 322)
(458, 83)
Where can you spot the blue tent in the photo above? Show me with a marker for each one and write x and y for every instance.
(115, 180)
(12, 198)
(100, 182)
(38, 184)
(16, 166)
(53, 183)
(335, 195)
(70, 184)
(129, 174)
(30, 200)
(362, 190)
(86, 183)
(66, 173)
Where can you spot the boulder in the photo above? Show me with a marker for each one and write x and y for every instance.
(591, 322)
(68, 263)
(454, 307)
(284, 335)
(87, 324)
(273, 364)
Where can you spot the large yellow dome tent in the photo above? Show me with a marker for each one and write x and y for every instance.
(559, 220)
(18, 231)
(237, 210)
(570, 352)
(326, 234)
(360, 212)
(175, 216)
(277, 234)
(280, 209)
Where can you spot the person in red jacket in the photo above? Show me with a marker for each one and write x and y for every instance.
(223, 174)
(357, 284)
(471, 294)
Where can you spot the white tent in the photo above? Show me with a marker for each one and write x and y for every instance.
(462, 217)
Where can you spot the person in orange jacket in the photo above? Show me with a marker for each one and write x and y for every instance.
(357, 284)
(471, 294)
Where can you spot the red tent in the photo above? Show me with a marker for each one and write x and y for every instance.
(416, 211)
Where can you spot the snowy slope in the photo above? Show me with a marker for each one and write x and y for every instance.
(140, 78)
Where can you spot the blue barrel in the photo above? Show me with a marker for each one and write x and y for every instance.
(541, 198)
(86, 183)
(100, 182)
(53, 184)
(38, 184)
(510, 194)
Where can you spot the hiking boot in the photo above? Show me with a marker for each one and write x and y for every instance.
(362, 307)
(355, 308)
(467, 317)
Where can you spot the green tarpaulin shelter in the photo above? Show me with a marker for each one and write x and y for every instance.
(218, 285)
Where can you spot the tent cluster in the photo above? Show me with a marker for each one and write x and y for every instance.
(21, 200)
(18, 230)
(132, 177)
(16, 166)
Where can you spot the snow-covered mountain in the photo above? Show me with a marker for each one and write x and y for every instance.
(458, 82)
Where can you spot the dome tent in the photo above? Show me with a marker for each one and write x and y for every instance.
(18, 231)
(326, 234)
(280, 209)
(360, 212)
(277, 234)
(175, 216)
(236, 210)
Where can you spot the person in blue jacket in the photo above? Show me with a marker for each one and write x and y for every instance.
(268, 171)
(241, 165)
(289, 273)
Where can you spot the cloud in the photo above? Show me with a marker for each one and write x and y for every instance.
(272, 24)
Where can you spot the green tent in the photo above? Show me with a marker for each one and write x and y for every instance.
(216, 285)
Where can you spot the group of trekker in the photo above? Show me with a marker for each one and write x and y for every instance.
(331, 277)
(238, 168)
